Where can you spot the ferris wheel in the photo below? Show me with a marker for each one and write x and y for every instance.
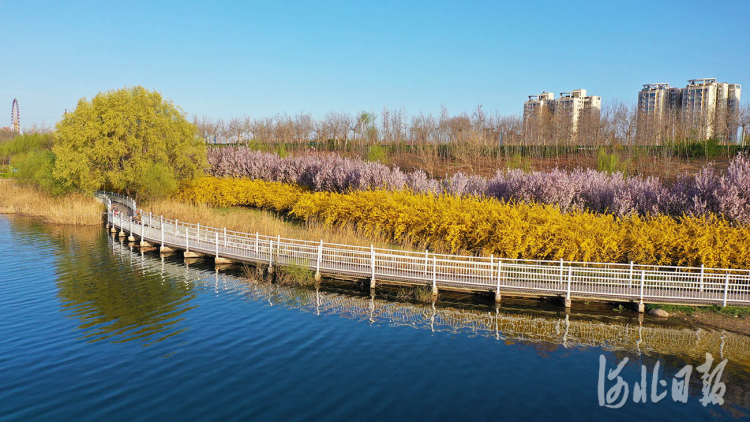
(15, 117)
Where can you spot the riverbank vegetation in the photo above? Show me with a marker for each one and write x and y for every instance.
(732, 318)
(478, 225)
(27, 200)
(129, 140)
(705, 193)
(135, 142)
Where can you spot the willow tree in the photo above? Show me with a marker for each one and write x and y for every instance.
(128, 140)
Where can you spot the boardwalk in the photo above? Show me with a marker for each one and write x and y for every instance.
(568, 280)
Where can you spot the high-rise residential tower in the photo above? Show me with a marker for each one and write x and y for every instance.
(705, 108)
(564, 113)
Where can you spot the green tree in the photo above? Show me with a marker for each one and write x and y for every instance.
(129, 140)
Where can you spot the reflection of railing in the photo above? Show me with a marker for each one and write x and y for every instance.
(527, 327)
(608, 281)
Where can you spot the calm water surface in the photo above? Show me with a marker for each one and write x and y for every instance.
(92, 330)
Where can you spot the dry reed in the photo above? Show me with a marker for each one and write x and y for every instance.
(271, 223)
(73, 208)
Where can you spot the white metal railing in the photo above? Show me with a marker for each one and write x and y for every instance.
(116, 197)
(643, 283)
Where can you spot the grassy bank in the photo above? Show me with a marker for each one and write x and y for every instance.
(487, 226)
(73, 208)
(732, 318)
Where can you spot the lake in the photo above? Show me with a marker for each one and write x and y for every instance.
(93, 330)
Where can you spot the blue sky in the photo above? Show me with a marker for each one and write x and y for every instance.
(226, 59)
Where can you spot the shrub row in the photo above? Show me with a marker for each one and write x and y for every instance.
(702, 194)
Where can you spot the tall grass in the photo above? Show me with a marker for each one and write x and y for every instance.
(271, 223)
(73, 208)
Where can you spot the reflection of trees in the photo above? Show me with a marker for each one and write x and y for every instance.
(108, 296)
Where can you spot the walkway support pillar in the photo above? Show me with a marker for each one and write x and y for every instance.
(131, 238)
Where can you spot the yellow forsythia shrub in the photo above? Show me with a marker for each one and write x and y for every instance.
(488, 226)
(227, 192)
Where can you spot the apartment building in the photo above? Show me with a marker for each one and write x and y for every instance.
(566, 110)
(538, 104)
(658, 106)
(658, 99)
(705, 108)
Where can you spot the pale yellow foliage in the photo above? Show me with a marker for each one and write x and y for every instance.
(73, 208)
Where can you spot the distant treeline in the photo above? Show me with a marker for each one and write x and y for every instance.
(617, 124)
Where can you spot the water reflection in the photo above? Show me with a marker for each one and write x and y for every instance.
(283, 353)
(543, 330)
(111, 295)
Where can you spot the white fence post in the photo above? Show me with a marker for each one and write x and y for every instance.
(562, 271)
(225, 237)
(161, 226)
(187, 240)
(372, 267)
(256, 243)
(426, 261)
(278, 246)
(270, 254)
(643, 282)
(726, 290)
(434, 276)
(198, 232)
(499, 272)
(320, 257)
(701, 281)
(570, 280)
(630, 279)
(217, 244)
